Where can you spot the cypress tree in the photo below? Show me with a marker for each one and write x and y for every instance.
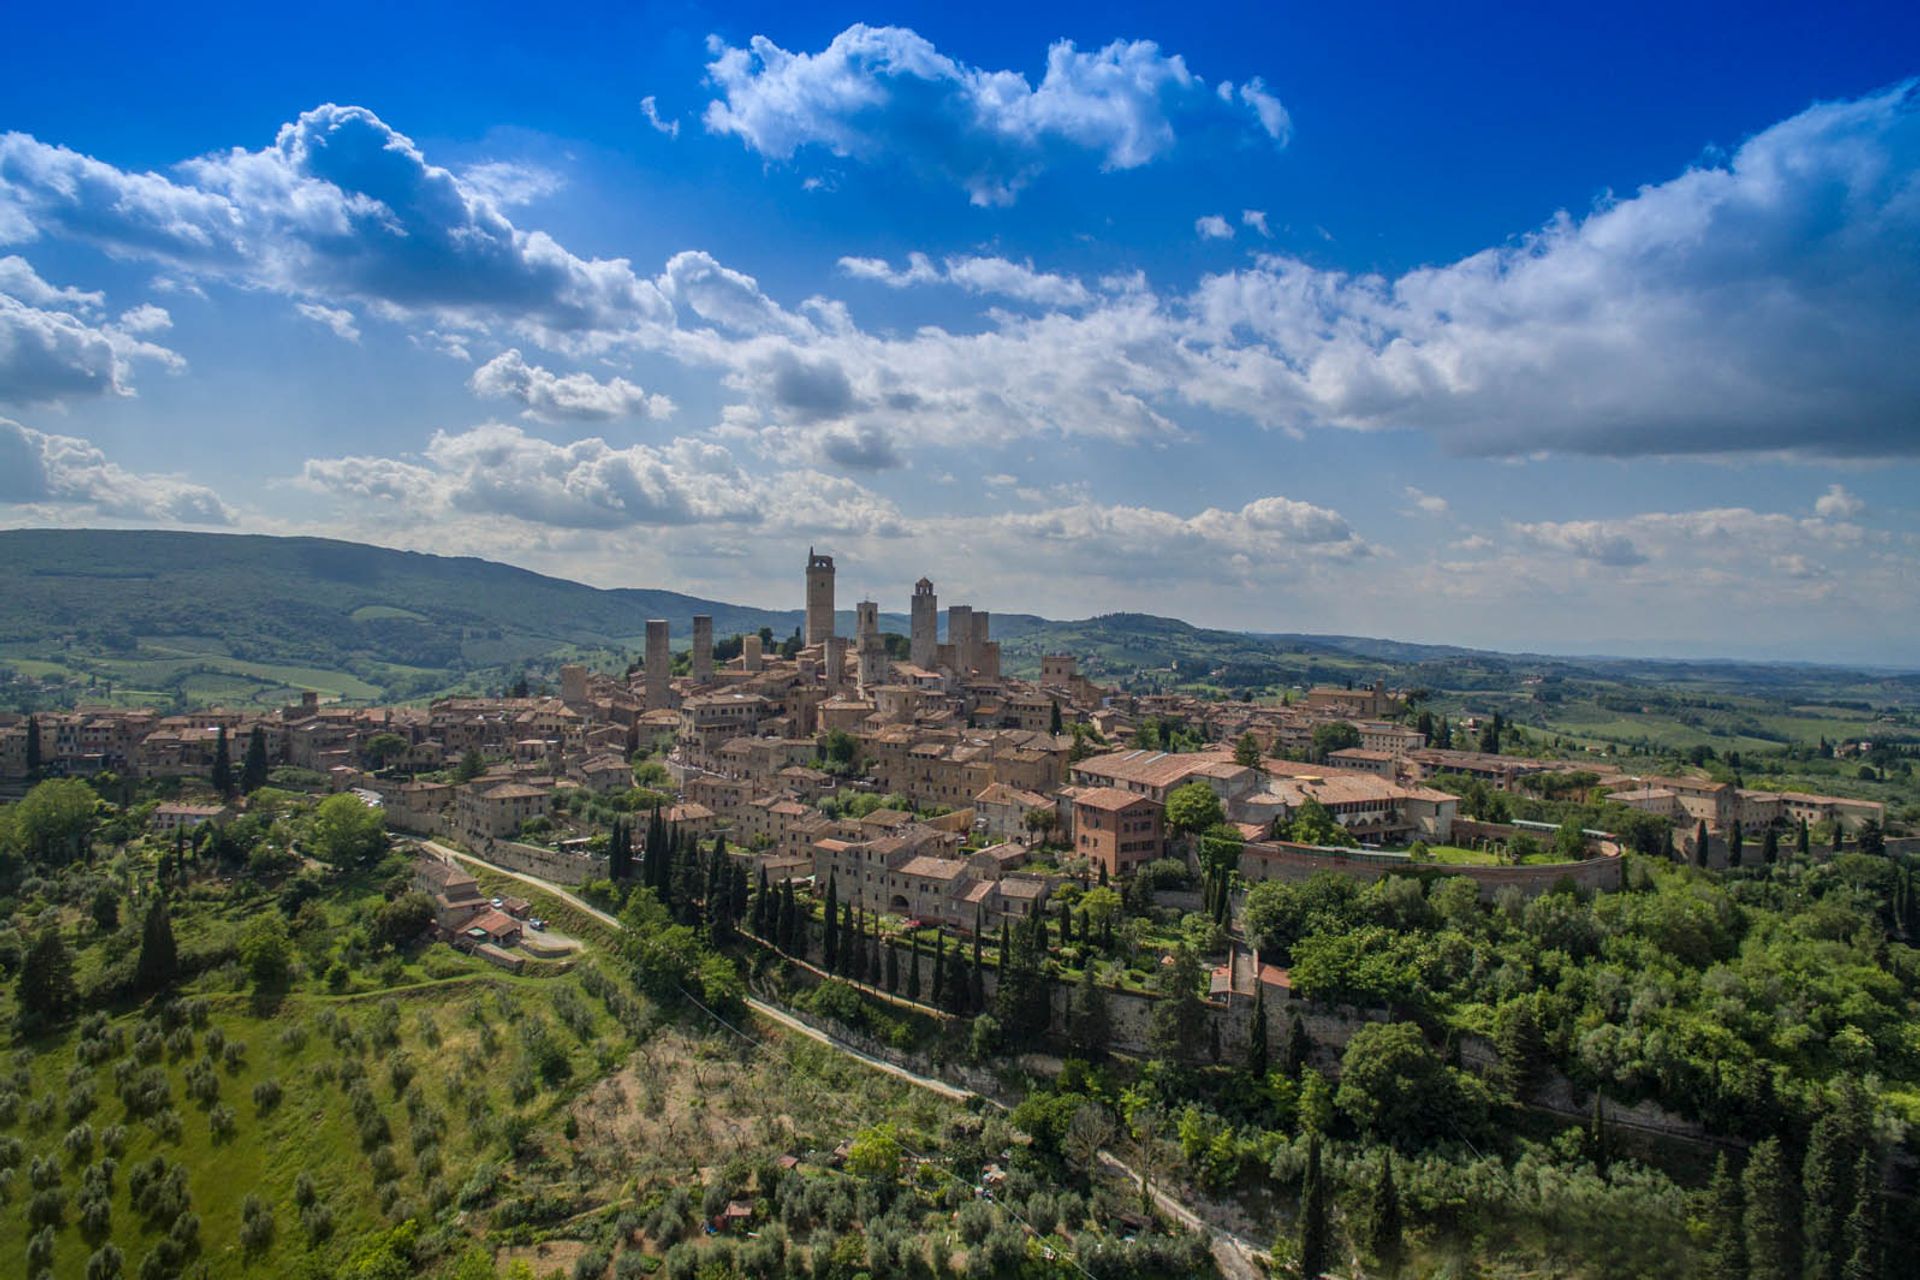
(1316, 1232)
(939, 966)
(222, 763)
(1386, 1226)
(854, 947)
(253, 769)
(1005, 946)
(34, 760)
(159, 961)
(1770, 846)
(762, 907)
(1701, 847)
(1736, 844)
(1299, 1045)
(893, 970)
(830, 948)
(1666, 843)
(46, 990)
(913, 967)
(1089, 1020)
(1806, 840)
(1862, 1236)
(1773, 1240)
(799, 939)
(1726, 1241)
(1826, 1191)
(1257, 1037)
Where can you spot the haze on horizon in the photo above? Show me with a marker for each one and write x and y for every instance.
(1591, 335)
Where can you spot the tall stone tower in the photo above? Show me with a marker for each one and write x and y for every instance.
(702, 648)
(925, 639)
(960, 637)
(871, 650)
(819, 597)
(659, 665)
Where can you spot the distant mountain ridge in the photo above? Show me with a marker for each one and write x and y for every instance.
(206, 616)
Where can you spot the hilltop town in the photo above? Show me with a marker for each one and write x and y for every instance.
(922, 778)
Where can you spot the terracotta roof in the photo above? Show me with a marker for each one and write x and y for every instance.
(1111, 799)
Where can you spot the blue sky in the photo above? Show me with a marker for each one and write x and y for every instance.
(1589, 333)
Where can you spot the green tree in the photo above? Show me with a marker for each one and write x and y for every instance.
(1392, 1084)
(875, 1153)
(1054, 725)
(1736, 844)
(1337, 736)
(55, 820)
(1863, 1245)
(402, 920)
(1089, 1020)
(1522, 1048)
(470, 767)
(1316, 1229)
(383, 748)
(1193, 808)
(345, 831)
(1772, 1214)
(1826, 1189)
(1257, 1037)
(222, 776)
(1247, 751)
(1570, 842)
(1702, 845)
(46, 991)
(253, 768)
(1313, 824)
(1770, 846)
(1385, 1225)
(1726, 1233)
(1178, 1022)
(1299, 1047)
(266, 950)
(159, 962)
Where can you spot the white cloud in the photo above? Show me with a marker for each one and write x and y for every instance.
(38, 470)
(511, 183)
(499, 471)
(651, 110)
(52, 349)
(576, 396)
(1213, 227)
(338, 319)
(1769, 304)
(1257, 219)
(1432, 504)
(978, 275)
(1837, 504)
(886, 93)
(340, 209)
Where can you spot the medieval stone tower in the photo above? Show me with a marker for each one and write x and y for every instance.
(819, 597)
(925, 638)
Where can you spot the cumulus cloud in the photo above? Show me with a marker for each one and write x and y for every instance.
(993, 276)
(1837, 504)
(574, 396)
(1257, 219)
(338, 319)
(887, 94)
(1718, 537)
(42, 470)
(53, 349)
(651, 110)
(340, 209)
(500, 471)
(1770, 303)
(1432, 504)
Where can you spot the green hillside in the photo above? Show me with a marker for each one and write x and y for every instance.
(194, 617)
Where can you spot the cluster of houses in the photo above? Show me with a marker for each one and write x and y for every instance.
(1006, 778)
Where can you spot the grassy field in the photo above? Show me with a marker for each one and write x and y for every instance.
(437, 1059)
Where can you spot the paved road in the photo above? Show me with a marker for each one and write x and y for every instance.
(1236, 1257)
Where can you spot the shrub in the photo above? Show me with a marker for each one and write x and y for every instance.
(256, 1225)
(221, 1123)
(106, 1263)
(317, 1220)
(304, 1192)
(266, 1095)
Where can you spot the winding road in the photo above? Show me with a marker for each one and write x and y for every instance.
(1237, 1258)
